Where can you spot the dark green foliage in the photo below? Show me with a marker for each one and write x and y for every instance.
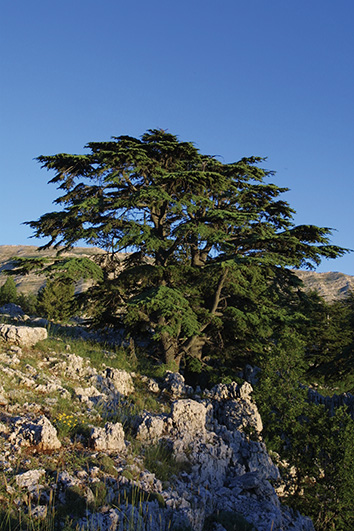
(330, 340)
(231, 521)
(28, 303)
(56, 300)
(8, 292)
(317, 446)
(206, 240)
(75, 503)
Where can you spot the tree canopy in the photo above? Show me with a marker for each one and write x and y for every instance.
(200, 235)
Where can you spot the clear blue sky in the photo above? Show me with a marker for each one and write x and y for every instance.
(273, 78)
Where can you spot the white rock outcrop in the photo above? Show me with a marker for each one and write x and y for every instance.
(39, 432)
(174, 385)
(120, 380)
(151, 427)
(188, 418)
(30, 479)
(110, 438)
(3, 397)
(24, 336)
(229, 471)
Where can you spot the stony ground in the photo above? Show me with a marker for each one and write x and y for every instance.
(87, 444)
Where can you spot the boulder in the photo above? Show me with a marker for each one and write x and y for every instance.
(3, 398)
(151, 427)
(174, 385)
(188, 417)
(120, 380)
(24, 336)
(241, 415)
(110, 438)
(233, 407)
(40, 433)
(88, 394)
(30, 479)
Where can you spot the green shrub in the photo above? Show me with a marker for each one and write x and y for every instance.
(99, 491)
(28, 303)
(75, 502)
(56, 300)
(8, 292)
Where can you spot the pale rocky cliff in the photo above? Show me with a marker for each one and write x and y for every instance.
(331, 286)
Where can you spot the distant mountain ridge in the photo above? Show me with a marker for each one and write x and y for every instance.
(331, 286)
(32, 283)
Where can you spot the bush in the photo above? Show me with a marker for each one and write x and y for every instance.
(8, 292)
(56, 300)
(28, 303)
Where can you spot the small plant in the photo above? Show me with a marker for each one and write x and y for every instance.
(99, 491)
(66, 424)
(107, 464)
(75, 503)
(8, 291)
(159, 459)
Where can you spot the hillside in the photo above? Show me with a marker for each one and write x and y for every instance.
(331, 285)
(31, 283)
(86, 440)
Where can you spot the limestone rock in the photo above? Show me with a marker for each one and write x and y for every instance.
(30, 479)
(75, 367)
(3, 398)
(88, 394)
(151, 384)
(151, 427)
(174, 385)
(241, 415)
(40, 433)
(51, 387)
(120, 380)
(233, 407)
(110, 438)
(188, 417)
(223, 392)
(39, 512)
(67, 480)
(245, 391)
(210, 461)
(22, 335)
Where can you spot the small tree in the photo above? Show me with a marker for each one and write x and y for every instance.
(8, 292)
(56, 300)
(193, 226)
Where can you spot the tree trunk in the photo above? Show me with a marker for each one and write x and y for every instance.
(171, 351)
(194, 347)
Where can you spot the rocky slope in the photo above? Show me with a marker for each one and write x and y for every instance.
(85, 440)
(32, 283)
(331, 286)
